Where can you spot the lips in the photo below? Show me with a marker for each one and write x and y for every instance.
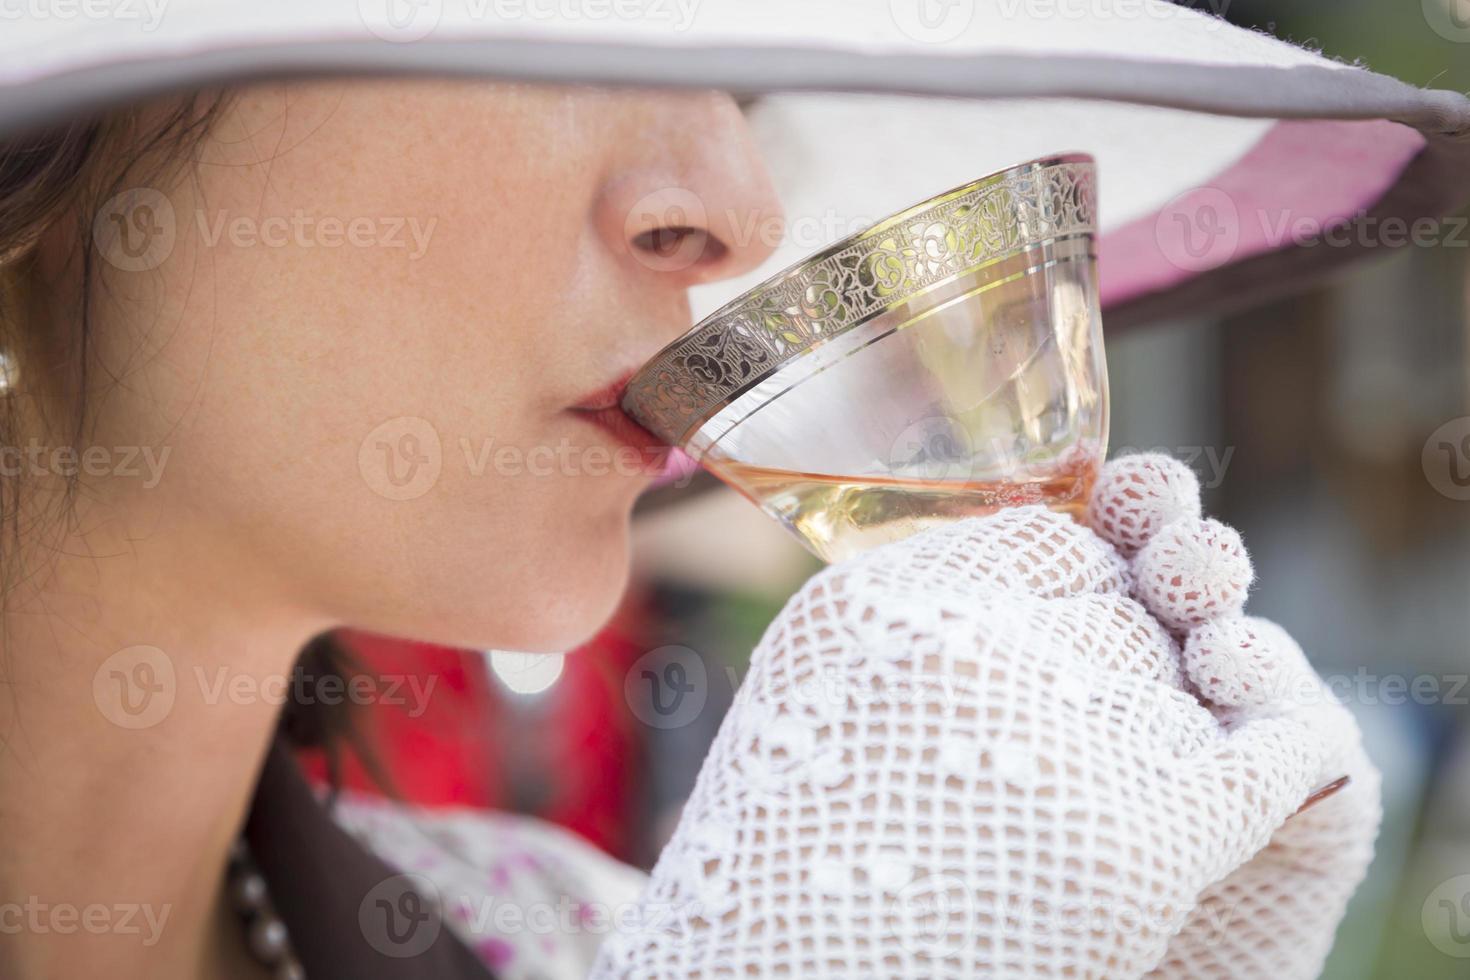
(616, 423)
(607, 396)
(603, 410)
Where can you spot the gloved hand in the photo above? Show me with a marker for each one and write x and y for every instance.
(976, 753)
(1276, 915)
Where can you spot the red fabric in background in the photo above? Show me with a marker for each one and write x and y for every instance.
(441, 756)
(567, 755)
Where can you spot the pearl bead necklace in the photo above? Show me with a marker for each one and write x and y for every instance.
(266, 933)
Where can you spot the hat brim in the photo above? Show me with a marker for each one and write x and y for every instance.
(1232, 165)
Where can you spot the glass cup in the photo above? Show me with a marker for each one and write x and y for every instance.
(942, 364)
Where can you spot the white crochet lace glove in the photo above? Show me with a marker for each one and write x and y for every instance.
(973, 753)
(1276, 915)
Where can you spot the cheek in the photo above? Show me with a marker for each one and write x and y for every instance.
(315, 382)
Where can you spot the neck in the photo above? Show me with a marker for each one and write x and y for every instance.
(143, 682)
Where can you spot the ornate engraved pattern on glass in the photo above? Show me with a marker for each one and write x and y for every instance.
(850, 282)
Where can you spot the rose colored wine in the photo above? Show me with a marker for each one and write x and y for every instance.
(839, 516)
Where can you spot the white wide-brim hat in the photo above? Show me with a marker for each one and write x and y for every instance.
(1231, 164)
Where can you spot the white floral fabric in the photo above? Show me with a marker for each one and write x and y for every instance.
(533, 900)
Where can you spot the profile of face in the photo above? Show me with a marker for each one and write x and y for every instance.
(377, 329)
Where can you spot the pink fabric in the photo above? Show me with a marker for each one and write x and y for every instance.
(1303, 176)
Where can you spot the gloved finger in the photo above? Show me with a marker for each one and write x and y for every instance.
(1192, 571)
(1257, 922)
(1112, 633)
(1246, 785)
(1244, 662)
(1021, 550)
(1277, 913)
(1251, 666)
(1341, 828)
(1137, 496)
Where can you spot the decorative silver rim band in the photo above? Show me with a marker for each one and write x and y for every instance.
(846, 285)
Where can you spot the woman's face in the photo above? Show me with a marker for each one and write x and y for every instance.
(364, 331)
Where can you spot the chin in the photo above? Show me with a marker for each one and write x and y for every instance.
(526, 621)
(565, 589)
(569, 623)
(570, 599)
(585, 607)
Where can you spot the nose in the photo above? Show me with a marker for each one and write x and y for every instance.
(689, 197)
